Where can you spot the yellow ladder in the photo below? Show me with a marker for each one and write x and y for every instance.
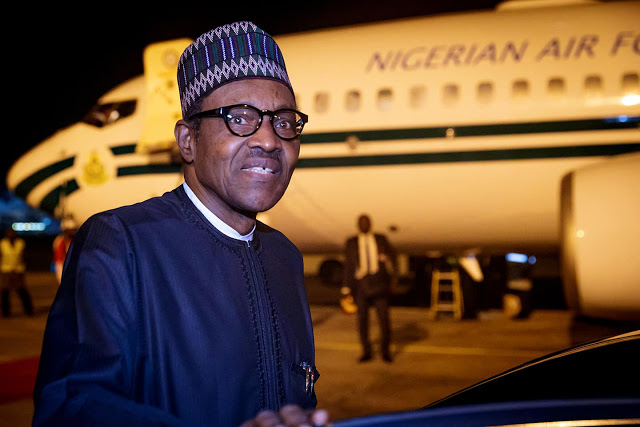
(446, 282)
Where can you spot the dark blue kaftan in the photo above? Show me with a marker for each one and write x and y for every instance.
(163, 320)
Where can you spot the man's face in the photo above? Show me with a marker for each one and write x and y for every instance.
(364, 224)
(244, 174)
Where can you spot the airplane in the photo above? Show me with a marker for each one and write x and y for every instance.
(485, 132)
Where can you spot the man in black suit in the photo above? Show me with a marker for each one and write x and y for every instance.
(367, 256)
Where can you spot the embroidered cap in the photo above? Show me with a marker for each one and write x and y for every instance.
(227, 53)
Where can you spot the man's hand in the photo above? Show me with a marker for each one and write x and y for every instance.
(290, 415)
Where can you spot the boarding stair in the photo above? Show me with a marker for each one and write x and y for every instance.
(446, 294)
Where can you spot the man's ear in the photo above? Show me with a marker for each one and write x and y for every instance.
(185, 138)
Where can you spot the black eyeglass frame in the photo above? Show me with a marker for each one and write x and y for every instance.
(222, 112)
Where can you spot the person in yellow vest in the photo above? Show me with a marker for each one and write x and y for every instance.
(12, 269)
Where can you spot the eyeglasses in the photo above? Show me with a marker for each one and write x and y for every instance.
(245, 120)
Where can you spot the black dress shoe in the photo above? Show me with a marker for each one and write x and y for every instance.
(387, 358)
(365, 358)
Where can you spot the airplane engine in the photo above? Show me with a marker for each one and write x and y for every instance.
(600, 239)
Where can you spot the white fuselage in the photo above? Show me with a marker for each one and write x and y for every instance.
(451, 132)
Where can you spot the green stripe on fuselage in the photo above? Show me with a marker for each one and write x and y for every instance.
(29, 183)
(467, 131)
(50, 201)
(148, 169)
(469, 156)
(123, 149)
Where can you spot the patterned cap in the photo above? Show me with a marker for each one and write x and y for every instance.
(228, 53)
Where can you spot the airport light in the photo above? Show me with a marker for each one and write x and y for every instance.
(28, 226)
(515, 257)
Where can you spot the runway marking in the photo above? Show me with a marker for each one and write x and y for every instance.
(431, 349)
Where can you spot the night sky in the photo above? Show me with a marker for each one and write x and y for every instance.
(61, 61)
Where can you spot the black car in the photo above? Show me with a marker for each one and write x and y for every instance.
(592, 384)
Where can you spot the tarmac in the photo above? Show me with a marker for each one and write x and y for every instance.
(433, 357)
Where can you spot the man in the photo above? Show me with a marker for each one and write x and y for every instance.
(366, 275)
(12, 268)
(183, 309)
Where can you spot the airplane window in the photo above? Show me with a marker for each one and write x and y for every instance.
(630, 85)
(417, 96)
(385, 99)
(485, 91)
(321, 103)
(556, 86)
(106, 114)
(520, 89)
(450, 93)
(593, 86)
(353, 100)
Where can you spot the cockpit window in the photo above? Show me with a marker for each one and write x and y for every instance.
(106, 114)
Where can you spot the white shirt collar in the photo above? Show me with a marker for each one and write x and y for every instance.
(214, 220)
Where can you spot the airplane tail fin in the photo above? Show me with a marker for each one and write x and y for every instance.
(162, 108)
